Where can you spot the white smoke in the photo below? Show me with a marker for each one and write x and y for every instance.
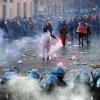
(1, 36)
(23, 89)
(11, 51)
(54, 46)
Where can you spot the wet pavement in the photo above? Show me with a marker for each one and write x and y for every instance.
(73, 56)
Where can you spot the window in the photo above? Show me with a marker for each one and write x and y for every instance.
(4, 0)
(18, 9)
(31, 7)
(41, 2)
(4, 10)
(25, 9)
(11, 1)
(11, 10)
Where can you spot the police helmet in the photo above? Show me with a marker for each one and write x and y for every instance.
(33, 74)
(14, 68)
(59, 72)
(8, 75)
(52, 79)
(51, 82)
(96, 74)
(98, 83)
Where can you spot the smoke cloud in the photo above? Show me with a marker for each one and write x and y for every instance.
(23, 89)
(11, 50)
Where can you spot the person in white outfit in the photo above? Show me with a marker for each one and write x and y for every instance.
(46, 44)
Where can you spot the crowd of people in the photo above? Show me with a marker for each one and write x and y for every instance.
(88, 27)
(79, 28)
(84, 27)
(19, 27)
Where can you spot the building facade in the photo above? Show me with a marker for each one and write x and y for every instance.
(27, 8)
(49, 7)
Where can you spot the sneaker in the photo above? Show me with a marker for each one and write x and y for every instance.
(47, 58)
(43, 59)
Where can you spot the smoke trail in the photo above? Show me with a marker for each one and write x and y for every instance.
(54, 46)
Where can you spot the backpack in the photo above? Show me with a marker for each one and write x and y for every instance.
(82, 29)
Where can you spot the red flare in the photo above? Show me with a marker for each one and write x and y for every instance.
(60, 42)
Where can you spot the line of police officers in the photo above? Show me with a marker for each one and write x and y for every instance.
(50, 80)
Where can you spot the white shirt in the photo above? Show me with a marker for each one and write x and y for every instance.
(47, 40)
